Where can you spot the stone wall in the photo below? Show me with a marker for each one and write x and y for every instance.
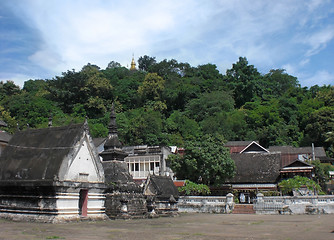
(321, 204)
(48, 203)
(125, 205)
(206, 204)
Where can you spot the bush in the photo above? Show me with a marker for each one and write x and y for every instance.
(193, 189)
(297, 182)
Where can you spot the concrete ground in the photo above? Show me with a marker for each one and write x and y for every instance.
(185, 226)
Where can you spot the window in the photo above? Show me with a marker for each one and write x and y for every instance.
(151, 166)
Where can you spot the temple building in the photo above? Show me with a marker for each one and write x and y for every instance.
(50, 175)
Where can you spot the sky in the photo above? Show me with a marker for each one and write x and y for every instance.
(40, 39)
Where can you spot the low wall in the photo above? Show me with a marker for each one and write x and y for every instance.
(322, 204)
(206, 204)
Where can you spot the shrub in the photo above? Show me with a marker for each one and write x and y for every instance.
(193, 189)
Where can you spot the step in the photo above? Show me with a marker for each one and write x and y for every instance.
(243, 209)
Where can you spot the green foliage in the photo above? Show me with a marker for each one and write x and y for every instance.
(152, 87)
(10, 121)
(8, 89)
(206, 161)
(171, 102)
(192, 189)
(209, 104)
(244, 80)
(145, 62)
(321, 172)
(296, 183)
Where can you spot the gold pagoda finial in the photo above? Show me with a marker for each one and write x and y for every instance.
(133, 64)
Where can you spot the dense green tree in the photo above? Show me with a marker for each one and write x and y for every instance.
(206, 161)
(28, 109)
(8, 89)
(114, 64)
(68, 90)
(232, 125)
(141, 126)
(326, 95)
(171, 102)
(243, 79)
(36, 87)
(320, 123)
(180, 128)
(277, 82)
(145, 63)
(209, 104)
(152, 87)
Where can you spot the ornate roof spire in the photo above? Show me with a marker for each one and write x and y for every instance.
(133, 63)
(113, 147)
(112, 141)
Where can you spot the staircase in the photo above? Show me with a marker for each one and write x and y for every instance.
(243, 209)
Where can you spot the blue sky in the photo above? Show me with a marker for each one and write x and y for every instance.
(40, 39)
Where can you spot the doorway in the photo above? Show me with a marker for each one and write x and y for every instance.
(83, 202)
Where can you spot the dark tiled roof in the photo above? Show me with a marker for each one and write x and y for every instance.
(162, 186)
(5, 137)
(298, 163)
(37, 154)
(237, 143)
(256, 167)
(319, 151)
(98, 141)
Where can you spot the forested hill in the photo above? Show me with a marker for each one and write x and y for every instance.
(168, 103)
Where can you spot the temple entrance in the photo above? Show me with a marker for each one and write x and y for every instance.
(83, 200)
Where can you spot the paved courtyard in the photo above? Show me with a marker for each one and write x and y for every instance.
(185, 226)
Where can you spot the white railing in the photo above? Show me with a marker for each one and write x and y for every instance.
(296, 204)
(208, 204)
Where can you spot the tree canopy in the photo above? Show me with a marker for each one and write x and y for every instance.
(206, 161)
(172, 102)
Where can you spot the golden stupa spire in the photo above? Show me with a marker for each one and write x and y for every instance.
(133, 64)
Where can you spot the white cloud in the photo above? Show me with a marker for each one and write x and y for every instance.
(268, 33)
(318, 40)
(320, 78)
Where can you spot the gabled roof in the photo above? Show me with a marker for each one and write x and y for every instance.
(318, 151)
(38, 154)
(298, 163)
(254, 147)
(256, 167)
(161, 186)
(297, 166)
